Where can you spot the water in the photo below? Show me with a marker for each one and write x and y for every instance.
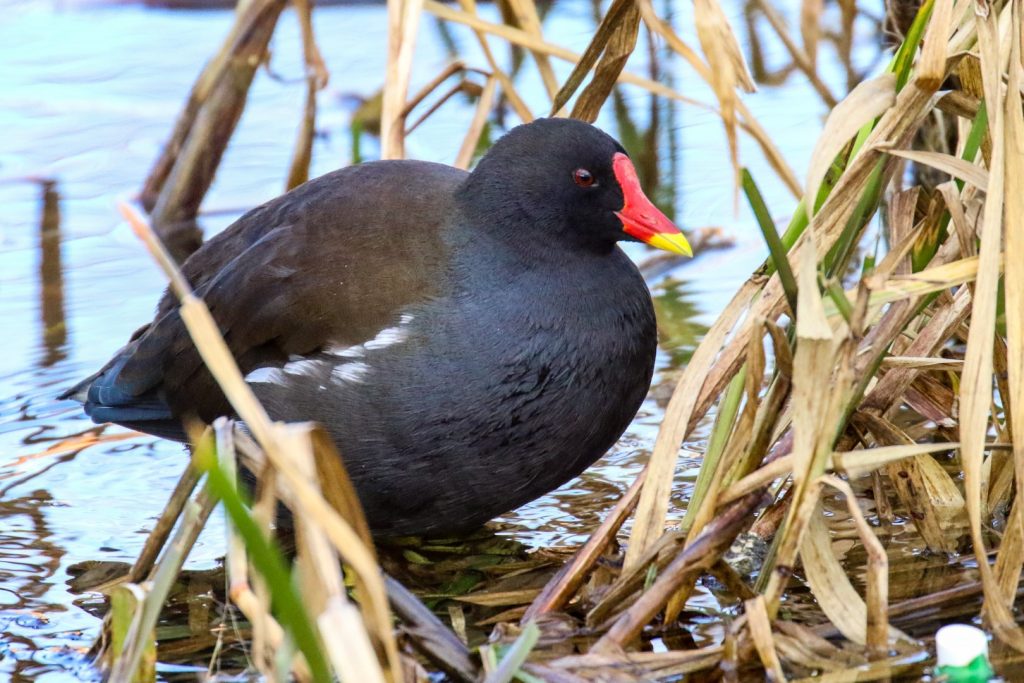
(88, 93)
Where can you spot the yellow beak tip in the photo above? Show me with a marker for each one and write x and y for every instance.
(675, 243)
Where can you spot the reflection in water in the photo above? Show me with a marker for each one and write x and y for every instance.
(28, 561)
(841, 37)
(644, 145)
(51, 277)
(678, 330)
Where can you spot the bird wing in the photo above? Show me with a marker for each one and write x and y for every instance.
(332, 262)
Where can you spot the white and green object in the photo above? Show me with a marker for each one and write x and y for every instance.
(962, 654)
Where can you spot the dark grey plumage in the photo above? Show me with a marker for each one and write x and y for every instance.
(471, 341)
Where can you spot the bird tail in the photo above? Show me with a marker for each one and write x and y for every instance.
(105, 401)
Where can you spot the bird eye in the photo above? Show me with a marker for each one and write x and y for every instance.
(583, 177)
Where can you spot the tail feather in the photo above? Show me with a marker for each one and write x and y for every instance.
(104, 400)
(80, 392)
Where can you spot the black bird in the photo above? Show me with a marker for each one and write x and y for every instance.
(470, 340)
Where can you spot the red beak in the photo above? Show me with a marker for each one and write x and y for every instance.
(640, 217)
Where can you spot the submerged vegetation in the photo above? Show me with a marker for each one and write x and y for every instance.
(871, 371)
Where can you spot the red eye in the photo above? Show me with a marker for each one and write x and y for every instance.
(583, 177)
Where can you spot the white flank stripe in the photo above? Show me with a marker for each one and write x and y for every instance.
(386, 337)
(265, 376)
(351, 372)
(304, 366)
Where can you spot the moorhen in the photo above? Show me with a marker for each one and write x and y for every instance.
(470, 340)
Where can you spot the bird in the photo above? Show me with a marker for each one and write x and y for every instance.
(469, 340)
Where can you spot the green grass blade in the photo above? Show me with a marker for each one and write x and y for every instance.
(776, 249)
(841, 252)
(716, 445)
(904, 59)
(977, 133)
(838, 295)
(516, 655)
(269, 562)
